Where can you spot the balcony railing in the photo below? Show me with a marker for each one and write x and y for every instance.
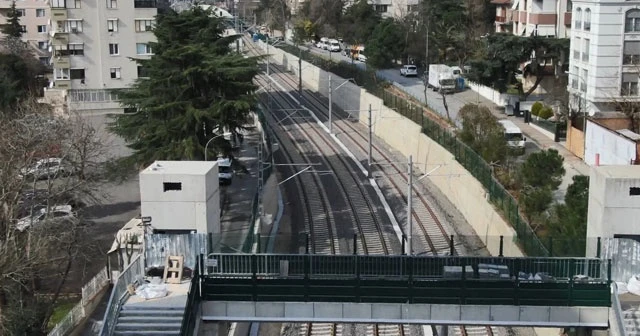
(145, 3)
(501, 19)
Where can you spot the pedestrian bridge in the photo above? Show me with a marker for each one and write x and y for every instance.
(550, 292)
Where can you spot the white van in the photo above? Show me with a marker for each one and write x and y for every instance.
(361, 56)
(225, 171)
(334, 46)
(513, 135)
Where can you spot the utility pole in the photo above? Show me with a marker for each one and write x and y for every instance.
(268, 56)
(409, 205)
(370, 144)
(426, 65)
(235, 10)
(300, 72)
(330, 108)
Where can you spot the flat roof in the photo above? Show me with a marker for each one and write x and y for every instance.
(621, 172)
(181, 167)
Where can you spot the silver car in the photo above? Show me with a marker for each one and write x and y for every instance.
(409, 70)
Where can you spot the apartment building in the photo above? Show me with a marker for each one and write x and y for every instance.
(530, 17)
(92, 44)
(34, 18)
(605, 54)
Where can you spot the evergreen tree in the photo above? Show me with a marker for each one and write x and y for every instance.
(195, 85)
(12, 29)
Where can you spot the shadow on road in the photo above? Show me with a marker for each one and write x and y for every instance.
(100, 211)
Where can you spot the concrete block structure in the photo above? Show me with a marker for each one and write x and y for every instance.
(614, 203)
(181, 196)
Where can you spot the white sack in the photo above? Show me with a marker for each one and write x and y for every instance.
(149, 291)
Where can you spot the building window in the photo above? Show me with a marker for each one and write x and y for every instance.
(73, 26)
(113, 49)
(115, 73)
(145, 25)
(632, 21)
(21, 11)
(61, 74)
(76, 49)
(574, 78)
(583, 80)
(142, 72)
(629, 84)
(587, 19)
(381, 8)
(71, 4)
(631, 53)
(43, 45)
(42, 28)
(585, 50)
(58, 4)
(569, 6)
(77, 74)
(144, 4)
(577, 22)
(576, 48)
(112, 25)
(112, 3)
(143, 49)
(60, 50)
(40, 12)
(23, 29)
(45, 60)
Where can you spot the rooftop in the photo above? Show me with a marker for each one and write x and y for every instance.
(621, 172)
(181, 167)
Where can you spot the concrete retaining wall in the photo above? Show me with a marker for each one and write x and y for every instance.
(463, 190)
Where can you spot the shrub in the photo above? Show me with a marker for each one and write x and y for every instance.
(545, 113)
(535, 109)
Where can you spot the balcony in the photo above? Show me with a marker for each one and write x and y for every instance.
(60, 39)
(567, 19)
(145, 4)
(59, 14)
(62, 84)
(61, 61)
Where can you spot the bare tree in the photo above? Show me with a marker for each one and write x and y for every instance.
(42, 235)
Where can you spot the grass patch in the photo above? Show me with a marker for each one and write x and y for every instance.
(60, 311)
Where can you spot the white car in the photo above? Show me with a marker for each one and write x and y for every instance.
(46, 168)
(53, 214)
(225, 171)
(409, 70)
(334, 46)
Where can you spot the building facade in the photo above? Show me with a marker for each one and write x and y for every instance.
(92, 44)
(605, 55)
(34, 19)
(534, 17)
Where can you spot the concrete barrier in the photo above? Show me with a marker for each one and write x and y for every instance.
(452, 179)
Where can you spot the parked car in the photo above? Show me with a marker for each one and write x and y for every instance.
(409, 70)
(33, 200)
(225, 171)
(54, 215)
(46, 168)
(334, 46)
(361, 56)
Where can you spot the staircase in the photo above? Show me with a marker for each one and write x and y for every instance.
(632, 321)
(149, 320)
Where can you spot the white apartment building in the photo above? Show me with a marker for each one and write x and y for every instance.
(530, 17)
(92, 43)
(605, 54)
(34, 18)
(391, 8)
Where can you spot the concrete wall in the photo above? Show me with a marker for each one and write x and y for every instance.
(463, 190)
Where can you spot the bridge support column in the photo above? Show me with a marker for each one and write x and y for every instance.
(442, 330)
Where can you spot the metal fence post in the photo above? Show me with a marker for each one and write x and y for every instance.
(410, 282)
(501, 254)
(355, 243)
(306, 243)
(451, 247)
(598, 248)
(254, 277)
(404, 238)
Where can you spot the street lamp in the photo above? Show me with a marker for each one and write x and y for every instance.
(330, 99)
(208, 142)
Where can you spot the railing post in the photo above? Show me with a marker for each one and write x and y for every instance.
(254, 277)
(464, 280)
(451, 248)
(201, 275)
(258, 249)
(598, 248)
(410, 282)
(550, 246)
(609, 270)
(501, 254)
(307, 266)
(516, 284)
(572, 265)
(356, 263)
(210, 243)
(355, 244)
(306, 243)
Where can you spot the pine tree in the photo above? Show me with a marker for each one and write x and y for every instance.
(195, 84)
(12, 29)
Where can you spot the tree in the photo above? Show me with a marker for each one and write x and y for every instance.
(482, 132)
(386, 44)
(196, 86)
(12, 29)
(570, 221)
(18, 79)
(38, 263)
(359, 22)
(543, 169)
(275, 13)
(324, 15)
(506, 53)
(534, 201)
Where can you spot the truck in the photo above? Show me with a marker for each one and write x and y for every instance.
(441, 78)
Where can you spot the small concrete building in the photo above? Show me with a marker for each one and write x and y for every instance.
(614, 204)
(181, 196)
